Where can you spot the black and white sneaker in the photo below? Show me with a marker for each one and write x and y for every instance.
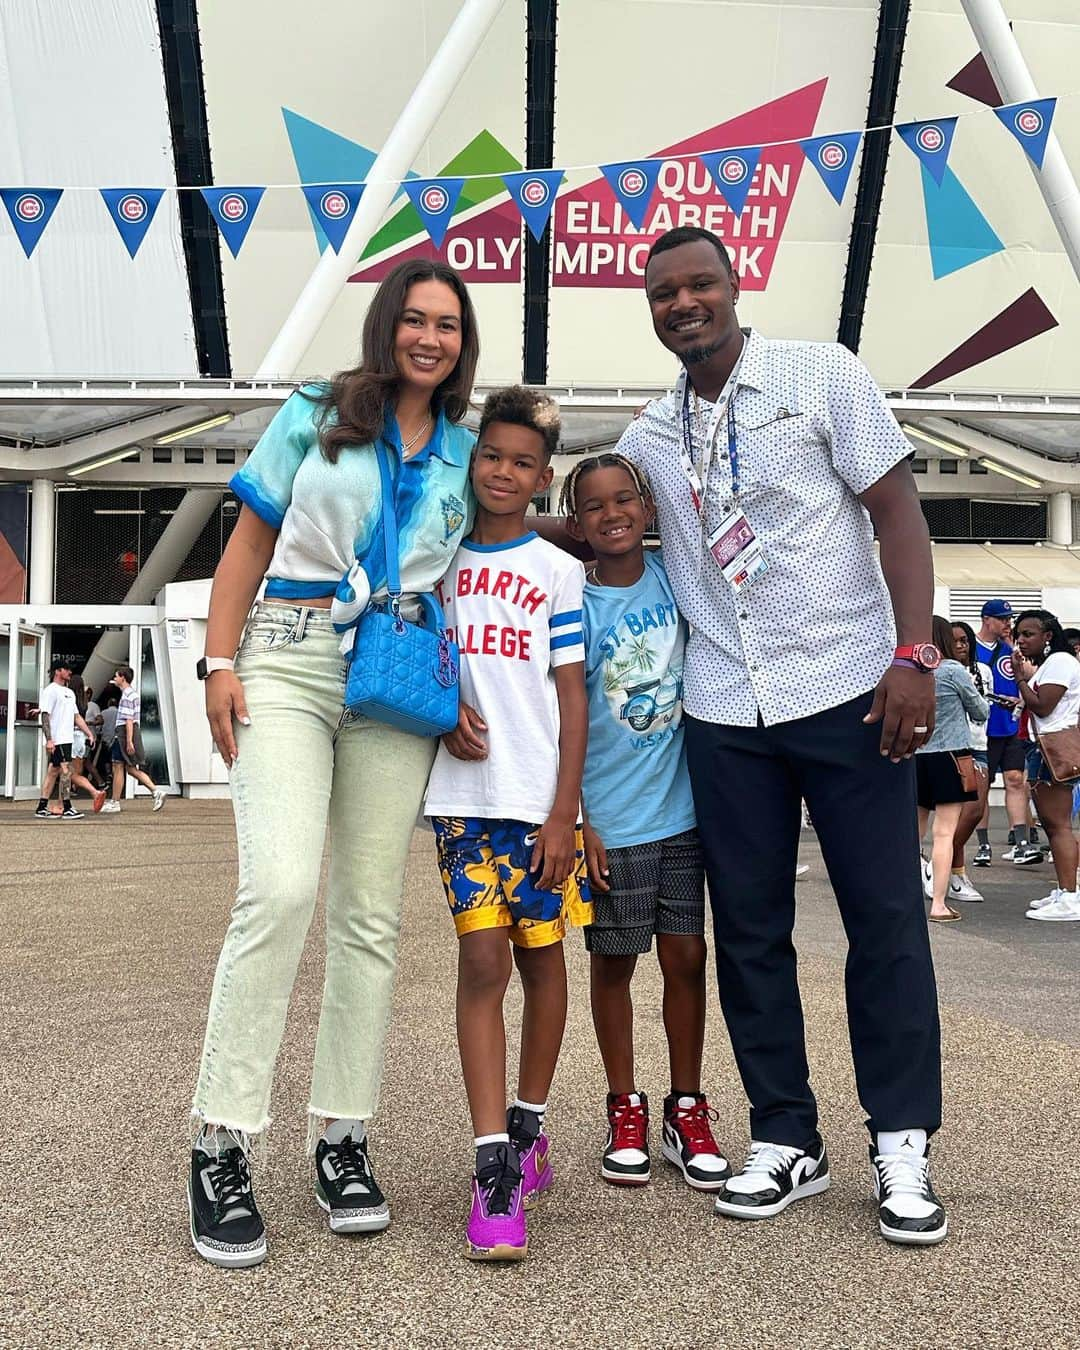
(43, 812)
(773, 1176)
(69, 813)
(908, 1210)
(226, 1226)
(984, 856)
(346, 1188)
(1026, 855)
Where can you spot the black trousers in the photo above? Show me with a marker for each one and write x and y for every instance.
(747, 784)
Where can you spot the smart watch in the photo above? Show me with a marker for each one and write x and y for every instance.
(206, 665)
(922, 655)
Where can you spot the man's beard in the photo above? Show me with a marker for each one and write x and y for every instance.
(695, 356)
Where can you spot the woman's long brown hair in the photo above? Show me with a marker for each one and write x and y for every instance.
(359, 396)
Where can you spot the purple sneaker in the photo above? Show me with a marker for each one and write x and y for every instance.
(536, 1173)
(496, 1230)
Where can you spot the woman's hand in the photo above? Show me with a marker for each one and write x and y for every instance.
(1022, 668)
(224, 701)
(554, 853)
(466, 741)
(596, 859)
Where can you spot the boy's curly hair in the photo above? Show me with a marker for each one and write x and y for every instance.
(522, 407)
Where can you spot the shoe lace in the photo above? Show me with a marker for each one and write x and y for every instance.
(351, 1162)
(904, 1173)
(692, 1122)
(230, 1179)
(768, 1159)
(629, 1127)
(498, 1180)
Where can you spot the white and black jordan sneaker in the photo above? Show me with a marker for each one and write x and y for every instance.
(226, 1226)
(908, 1210)
(773, 1176)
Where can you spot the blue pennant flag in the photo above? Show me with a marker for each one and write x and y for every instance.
(434, 200)
(931, 142)
(132, 210)
(30, 210)
(834, 159)
(334, 205)
(733, 172)
(234, 209)
(633, 183)
(534, 196)
(1030, 124)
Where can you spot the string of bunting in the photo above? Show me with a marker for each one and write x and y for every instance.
(533, 191)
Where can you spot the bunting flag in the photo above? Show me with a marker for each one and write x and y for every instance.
(633, 183)
(533, 193)
(1030, 124)
(234, 209)
(434, 200)
(930, 141)
(30, 210)
(733, 172)
(333, 206)
(834, 159)
(132, 210)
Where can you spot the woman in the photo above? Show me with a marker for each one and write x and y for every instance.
(966, 652)
(1048, 677)
(80, 745)
(937, 774)
(312, 507)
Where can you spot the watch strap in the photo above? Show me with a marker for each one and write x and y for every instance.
(211, 663)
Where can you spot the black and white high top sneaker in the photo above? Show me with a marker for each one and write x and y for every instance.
(772, 1177)
(908, 1209)
(226, 1226)
(346, 1188)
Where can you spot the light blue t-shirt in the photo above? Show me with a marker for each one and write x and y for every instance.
(327, 514)
(636, 787)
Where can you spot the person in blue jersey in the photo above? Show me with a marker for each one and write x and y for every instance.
(313, 512)
(641, 844)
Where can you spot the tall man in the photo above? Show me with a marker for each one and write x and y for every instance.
(1004, 748)
(772, 465)
(59, 718)
(127, 749)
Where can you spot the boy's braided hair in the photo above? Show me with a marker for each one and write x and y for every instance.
(610, 459)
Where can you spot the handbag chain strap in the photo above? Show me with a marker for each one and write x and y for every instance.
(390, 536)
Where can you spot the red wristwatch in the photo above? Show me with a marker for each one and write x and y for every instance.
(921, 655)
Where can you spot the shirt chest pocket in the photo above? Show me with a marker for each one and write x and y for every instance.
(778, 449)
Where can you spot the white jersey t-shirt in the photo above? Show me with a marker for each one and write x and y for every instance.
(1059, 668)
(59, 702)
(515, 612)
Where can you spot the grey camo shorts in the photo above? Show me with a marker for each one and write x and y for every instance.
(655, 888)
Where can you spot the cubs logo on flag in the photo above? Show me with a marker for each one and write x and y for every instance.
(834, 158)
(333, 205)
(534, 196)
(1030, 124)
(633, 184)
(132, 210)
(234, 210)
(30, 210)
(733, 172)
(930, 142)
(434, 200)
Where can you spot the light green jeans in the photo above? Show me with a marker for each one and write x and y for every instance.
(303, 763)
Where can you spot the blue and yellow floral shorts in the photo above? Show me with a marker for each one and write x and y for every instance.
(485, 871)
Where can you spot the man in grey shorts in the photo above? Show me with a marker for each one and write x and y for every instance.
(127, 750)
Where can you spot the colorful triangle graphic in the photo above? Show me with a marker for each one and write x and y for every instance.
(959, 232)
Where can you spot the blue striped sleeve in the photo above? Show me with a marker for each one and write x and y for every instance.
(567, 638)
(567, 617)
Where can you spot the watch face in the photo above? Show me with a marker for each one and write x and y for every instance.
(200, 668)
(927, 656)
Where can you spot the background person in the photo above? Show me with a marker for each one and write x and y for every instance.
(1048, 677)
(128, 755)
(60, 717)
(83, 741)
(960, 884)
(937, 776)
(312, 504)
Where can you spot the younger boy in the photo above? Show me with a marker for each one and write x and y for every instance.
(504, 795)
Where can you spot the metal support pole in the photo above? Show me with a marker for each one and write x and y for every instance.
(998, 44)
(42, 540)
(414, 125)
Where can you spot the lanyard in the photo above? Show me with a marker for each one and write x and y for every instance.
(697, 485)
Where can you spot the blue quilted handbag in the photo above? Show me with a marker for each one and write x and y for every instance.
(405, 674)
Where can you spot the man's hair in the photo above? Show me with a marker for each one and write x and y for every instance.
(59, 665)
(521, 407)
(690, 234)
(125, 673)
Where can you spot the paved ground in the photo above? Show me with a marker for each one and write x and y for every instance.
(108, 934)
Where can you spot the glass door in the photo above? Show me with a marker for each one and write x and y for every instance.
(25, 648)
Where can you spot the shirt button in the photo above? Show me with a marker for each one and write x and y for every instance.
(753, 669)
(743, 614)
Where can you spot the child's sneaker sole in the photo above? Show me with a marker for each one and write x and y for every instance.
(800, 1192)
(229, 1258)
(907, 1239)
(674, 1157)
(502, 1251)
(371, 1220)
(625, 1178)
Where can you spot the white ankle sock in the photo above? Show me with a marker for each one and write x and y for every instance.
(336, 1130)
(901, 1141)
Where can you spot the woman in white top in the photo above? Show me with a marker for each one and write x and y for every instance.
(313, 515)
(1048, 677)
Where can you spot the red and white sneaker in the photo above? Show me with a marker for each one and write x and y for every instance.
(688, 1142)
(626, 1157)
